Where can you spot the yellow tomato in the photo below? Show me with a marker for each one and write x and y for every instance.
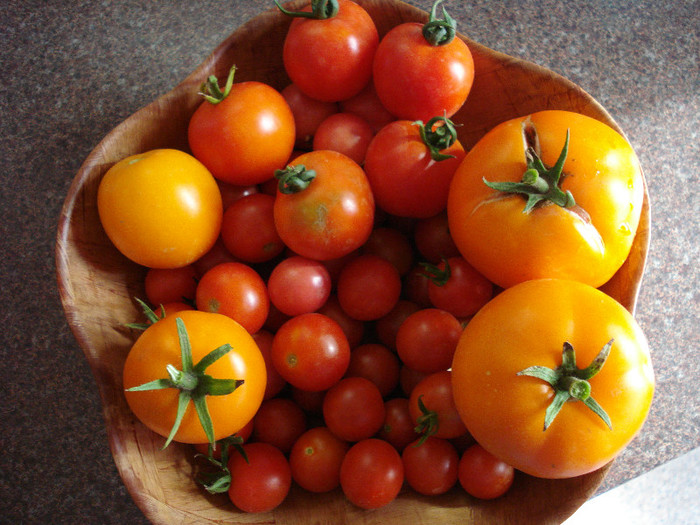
(161, 209)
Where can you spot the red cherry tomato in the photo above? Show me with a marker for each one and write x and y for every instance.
(261, 483)
(366, 104)
(237, 291)
(483, 475)
(388, 326)
(368, 287)
(345, 133)
(392, 245)
(440, 419)
(308, 114)
(275, 382)
(371, 474)
(427, 340)
(353, 409)
(330, 59)
(430, 467)
(311, 352)
(455, 286)
(433, 240)
(416, 80)
(248, 229)
(376, 363)
(316, 458)
(298, 285)
(398, 428)
(279, 422)
(170, 285)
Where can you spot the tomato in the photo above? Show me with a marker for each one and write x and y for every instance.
(427, 339)
(392, 245)
(430, 467)
(311, 352)
(232, 192)
(261, 483)
(562, 325)
(433, 408)
(346, 133)
(243, 134)
(398, 427)
(279, 422)
(248, 229)
(170, 285)
(410, 166)
(216, 255)
(161, 208)
(353, 329)
(353, 409)
(275, 382)
(329, 216)
(308, 114)
(316, 458)
(584, 233)
(457, 287)
(376, 363)
(433, 240)
(388, 326)
(418, 74)
(366, 104)
(298, 285)
(483, 475)
(236, 290)
(371, 474)
(368, 287)
(159, 347)
(329, 56)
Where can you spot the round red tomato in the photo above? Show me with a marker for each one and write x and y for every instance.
(559, 344)
(368, 288)
(376, 363)
(418, 74)
(248, 229)
(433, 408)
(409, 176)
(279, 422)
(353, 409)
(483, 475)
(427, 339)
(244, 134)
(298, 285)
(345, 133)
(159, 347)
(325, 207)
(170, 285)
(236, 290)
(371, 474)
(430, 466)
(455, 286)
(263, 481)
(311, 352)
(308, 114)
(329, 56)
(316, 458)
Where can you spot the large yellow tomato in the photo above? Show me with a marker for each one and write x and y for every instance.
(161, 209)
(579, 226)
(533, 387)
(160, 348)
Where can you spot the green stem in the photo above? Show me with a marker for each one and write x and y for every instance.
(320, 10)
(438, 276)
(570, 383)
(539, 184)
(211, 91)
(438, 137)
(294, 179)
(439, 32)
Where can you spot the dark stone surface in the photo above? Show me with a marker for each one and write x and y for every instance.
(71, 71)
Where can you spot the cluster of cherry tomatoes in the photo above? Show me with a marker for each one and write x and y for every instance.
(315, 218)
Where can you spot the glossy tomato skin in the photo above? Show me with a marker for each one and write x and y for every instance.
(247, 136)
(316, 458)
(331, 59)
(161, 208)
(334, 215)
(405, 180)
(158, 347)
(418, 81)
(509, 246)
(526, 325)
(430, 467)
(483, 475)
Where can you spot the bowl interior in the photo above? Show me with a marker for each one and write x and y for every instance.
(97, 285)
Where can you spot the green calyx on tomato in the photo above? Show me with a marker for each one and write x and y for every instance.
(438, 276)
(294, 179)
(438, 137)
(217, 480)
(439, 32)
(151, 316)
(570, 382)
(211, 91)
(193, 383)
(427, 423)
(320, 10)
(539, 184)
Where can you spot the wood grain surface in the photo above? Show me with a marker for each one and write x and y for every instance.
(97, 285)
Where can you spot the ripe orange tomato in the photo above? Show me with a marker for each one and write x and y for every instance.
(159, 346)
(245, 136)
(161, 208)
(552, 324)
(588, 241)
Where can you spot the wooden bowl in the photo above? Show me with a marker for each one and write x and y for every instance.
(97, 286)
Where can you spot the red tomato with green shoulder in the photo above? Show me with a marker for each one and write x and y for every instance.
(161, 208)
(243, 133)
(221, 367)
(324, 208)
(410, 166)
(329, 49)
(553, 377)
(554, 194)
(423, 70)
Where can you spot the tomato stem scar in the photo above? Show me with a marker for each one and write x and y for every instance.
(439, 32)
(320, 10)
(211, 91)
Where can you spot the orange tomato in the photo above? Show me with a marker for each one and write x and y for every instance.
(161, 208)
(505, 409)
(159, 347)
(587, 242)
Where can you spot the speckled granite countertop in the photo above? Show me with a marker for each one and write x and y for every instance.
(71, 71)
